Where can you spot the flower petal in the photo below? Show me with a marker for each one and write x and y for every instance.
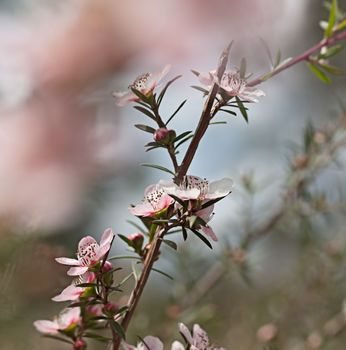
(124, 98)
(151, 343)
(208, 79)
(206, 213)
(176, 345)
(77, 271)
(107, 237)
(46, 327)
(142, 209)
(185, 333)
(68, 261)
(220, 188)
(209, 232)
(69, 293)
(68, 317)
(200, 337)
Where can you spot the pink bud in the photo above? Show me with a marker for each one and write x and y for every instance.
(135, 237)
(107, 266)
(164, 135)
(136, 241)
(111, 308)
(79, 344)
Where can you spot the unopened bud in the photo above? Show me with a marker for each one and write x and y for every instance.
(266, 333)
(111, 309)
(79, 344)
(301, 161)
(137, 240)
(314, 340)
(164, 135)
(107, 266)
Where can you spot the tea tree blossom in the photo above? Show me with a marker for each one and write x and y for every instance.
(66, 320)
(198, 340)
(196, 188)
(232, 84)
(148, 343)
(144, 83)
(89, 253)
(156, 200)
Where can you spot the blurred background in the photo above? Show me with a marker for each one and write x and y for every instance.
(69, 166)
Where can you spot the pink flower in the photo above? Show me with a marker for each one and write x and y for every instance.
(68, 318)
(144, 83)
(198, 340)
(149, 342)
(233, 84)
(155, 201)
(72, 292)
(193, 187)
(89, 253)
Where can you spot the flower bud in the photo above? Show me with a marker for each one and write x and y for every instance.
(266, 333)
(136, 240)
(79, 344)
(300, 162)
(107, 266)
(110, 309)
(164, 135)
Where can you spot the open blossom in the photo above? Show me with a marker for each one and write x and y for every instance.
(156, 199)
(144, 83)
(194, 187)
(198, 340)
(89, 253)
(148, 343)
(233, 84)
(73, 292)
(67, 319)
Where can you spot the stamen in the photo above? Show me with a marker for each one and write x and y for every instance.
(140, 81)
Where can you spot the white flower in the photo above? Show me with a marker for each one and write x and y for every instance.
(148, 343)
(198, 340)
(144, 83)
(232, 83)
(89, 253)
(155, 200)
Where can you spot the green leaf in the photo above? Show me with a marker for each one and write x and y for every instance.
(51, 336)
(141, 96)
(183, 141)
(96, 337)
(202, 238)
(145, 128)
(331, 69)
(177, 199)
(332, 17)
(192, 220)
(330, 52)
(138, 227)
(123, 281)
(170, 243)
(153, 147)
(159, 167)
(309, 133)
(184, 232)
(216, 123)
(162, 94)
(341, 25)
(242, 70)
(117, 328)
(163, 273)
(176, 111)
(195, 73)
(267, 50)
(277, 59)
(319, 73)
(179, 137)
(145, 111)
(242, 109)
(198, 88)
(228, 111)
(211, 202)
(118, 257)
(125, 239)
(86, 285)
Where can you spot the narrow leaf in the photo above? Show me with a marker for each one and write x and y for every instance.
(183, 141)
(184, 232)
(145, 111)
(330, 52)
(331, 69)
(162, 94)
(125, 239)
(216, 123)
(267, 50)
(242, 109)
(179, 137)
(138, 227)
(119, 257)
(159, 167)
(145, 128)
(242, 70)
(211, 202)
(198, 88)
(195, 72)
(341, 25)
(96, 337)
(201, 237)
(117, 328)
(319, 73)
(170, 243)
(228, 111)
(163, 273)
(177, 199)
(176, 111)
(141, 96)
(332, 17)
(277, 59)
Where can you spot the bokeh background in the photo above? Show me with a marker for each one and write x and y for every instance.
(69, 166)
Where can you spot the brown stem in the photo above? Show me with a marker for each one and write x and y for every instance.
(303, 57)
(204, 120)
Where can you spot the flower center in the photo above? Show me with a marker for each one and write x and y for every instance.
(232, 81)
(140, 81)
(191, 182)
(87, 253)
(154, 198)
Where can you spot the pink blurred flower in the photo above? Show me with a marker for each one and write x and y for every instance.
(149, 342)
(68, 318)
(198, 340)
(89, 253)
(72, 292)
(144, 83)
(233, 84)
(155, 201)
